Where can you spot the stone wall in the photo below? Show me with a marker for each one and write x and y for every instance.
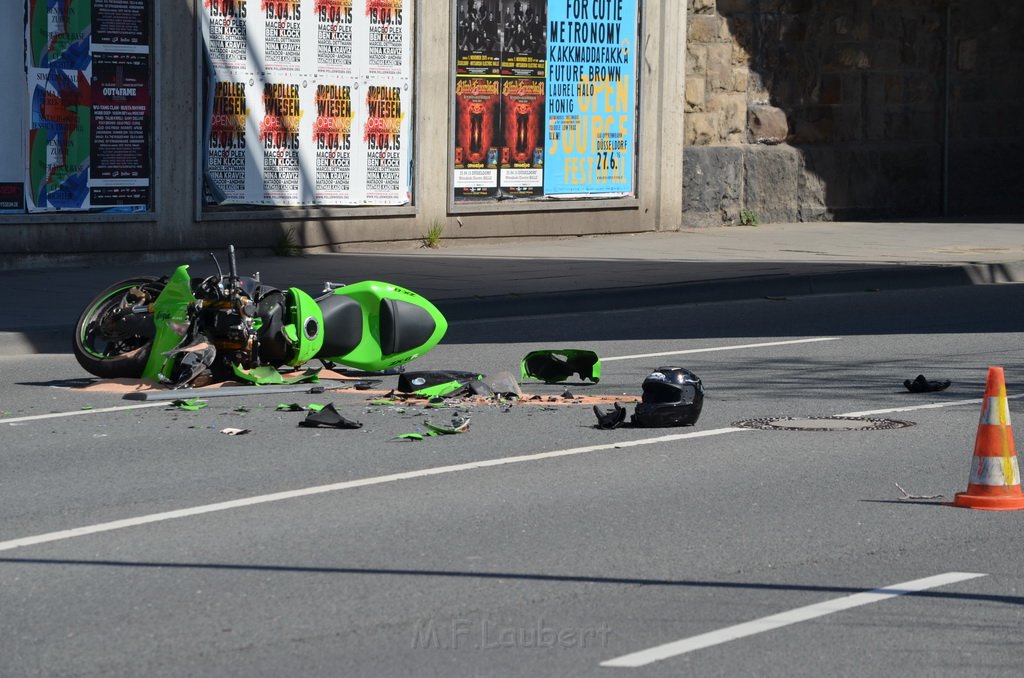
(799, 111)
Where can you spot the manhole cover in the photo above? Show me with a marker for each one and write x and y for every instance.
(822, 424)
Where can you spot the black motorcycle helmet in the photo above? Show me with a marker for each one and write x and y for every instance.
(673, 396)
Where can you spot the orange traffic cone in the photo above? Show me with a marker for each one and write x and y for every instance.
(994, 484)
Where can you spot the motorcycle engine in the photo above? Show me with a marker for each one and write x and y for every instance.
(227, 316)
(229, 325)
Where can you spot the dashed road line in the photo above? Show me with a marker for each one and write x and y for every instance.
(775, 621)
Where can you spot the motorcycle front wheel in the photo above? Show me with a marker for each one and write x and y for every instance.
(110, 340)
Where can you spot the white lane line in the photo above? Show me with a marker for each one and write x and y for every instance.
(75, 413)
(800, 614)
(929, 406)
(720, 348)
(379, 480)
(346, 485)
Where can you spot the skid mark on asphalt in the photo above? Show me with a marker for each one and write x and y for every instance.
(775, 621)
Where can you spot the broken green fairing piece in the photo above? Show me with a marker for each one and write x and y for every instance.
(410, 436)
(269, 375)
(191, 404)
(555, 365)
(295, 407)
(460, 426)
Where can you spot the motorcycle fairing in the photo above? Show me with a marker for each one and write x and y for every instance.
(396, 326)
(306, 329)
(170, 318)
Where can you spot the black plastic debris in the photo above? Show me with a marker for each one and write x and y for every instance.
(612, 418)
(329, 417)
(922, 385)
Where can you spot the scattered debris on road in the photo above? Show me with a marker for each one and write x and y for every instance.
(922, 385)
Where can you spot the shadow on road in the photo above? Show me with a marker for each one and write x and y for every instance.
(517, 576)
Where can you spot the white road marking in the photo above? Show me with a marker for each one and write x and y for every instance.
(720, 348)
(771, 622)
(74, 413)
(345, 485)
(408, 475)
(929, 406)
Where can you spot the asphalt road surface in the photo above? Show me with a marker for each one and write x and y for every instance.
(137, 539)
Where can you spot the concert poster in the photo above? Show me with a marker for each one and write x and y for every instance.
(385, 143)
(332, 141)
(121, 24)
(226, 25)
(524, 38)
(478, 37)
(281, 142)
(522, 151)
(60, 104)
(477, 137)
(278, 37)
(591, 98)
(228, 148)
(388, 38)
(121, 133)
(335, 20)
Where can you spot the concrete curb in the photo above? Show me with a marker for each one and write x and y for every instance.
(757, 287)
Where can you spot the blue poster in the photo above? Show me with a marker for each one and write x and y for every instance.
(591, 97)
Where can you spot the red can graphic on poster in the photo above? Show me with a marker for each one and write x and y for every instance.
(477, 125)
(522, 152)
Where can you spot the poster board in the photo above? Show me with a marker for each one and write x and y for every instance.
(89, 105)
(544, 99)
(308, 103)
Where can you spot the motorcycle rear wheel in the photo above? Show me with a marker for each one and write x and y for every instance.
(111, 343)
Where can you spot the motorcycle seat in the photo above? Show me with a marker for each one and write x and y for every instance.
(343, 324)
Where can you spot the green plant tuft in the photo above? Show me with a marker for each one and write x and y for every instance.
(432, 238)
(287, 245)
(748, 217)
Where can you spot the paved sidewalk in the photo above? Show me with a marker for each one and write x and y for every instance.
(582, 273)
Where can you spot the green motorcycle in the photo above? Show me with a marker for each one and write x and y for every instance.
(173, 329)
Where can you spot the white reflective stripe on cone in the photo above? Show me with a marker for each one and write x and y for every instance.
(995, 411)
(994, 471)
